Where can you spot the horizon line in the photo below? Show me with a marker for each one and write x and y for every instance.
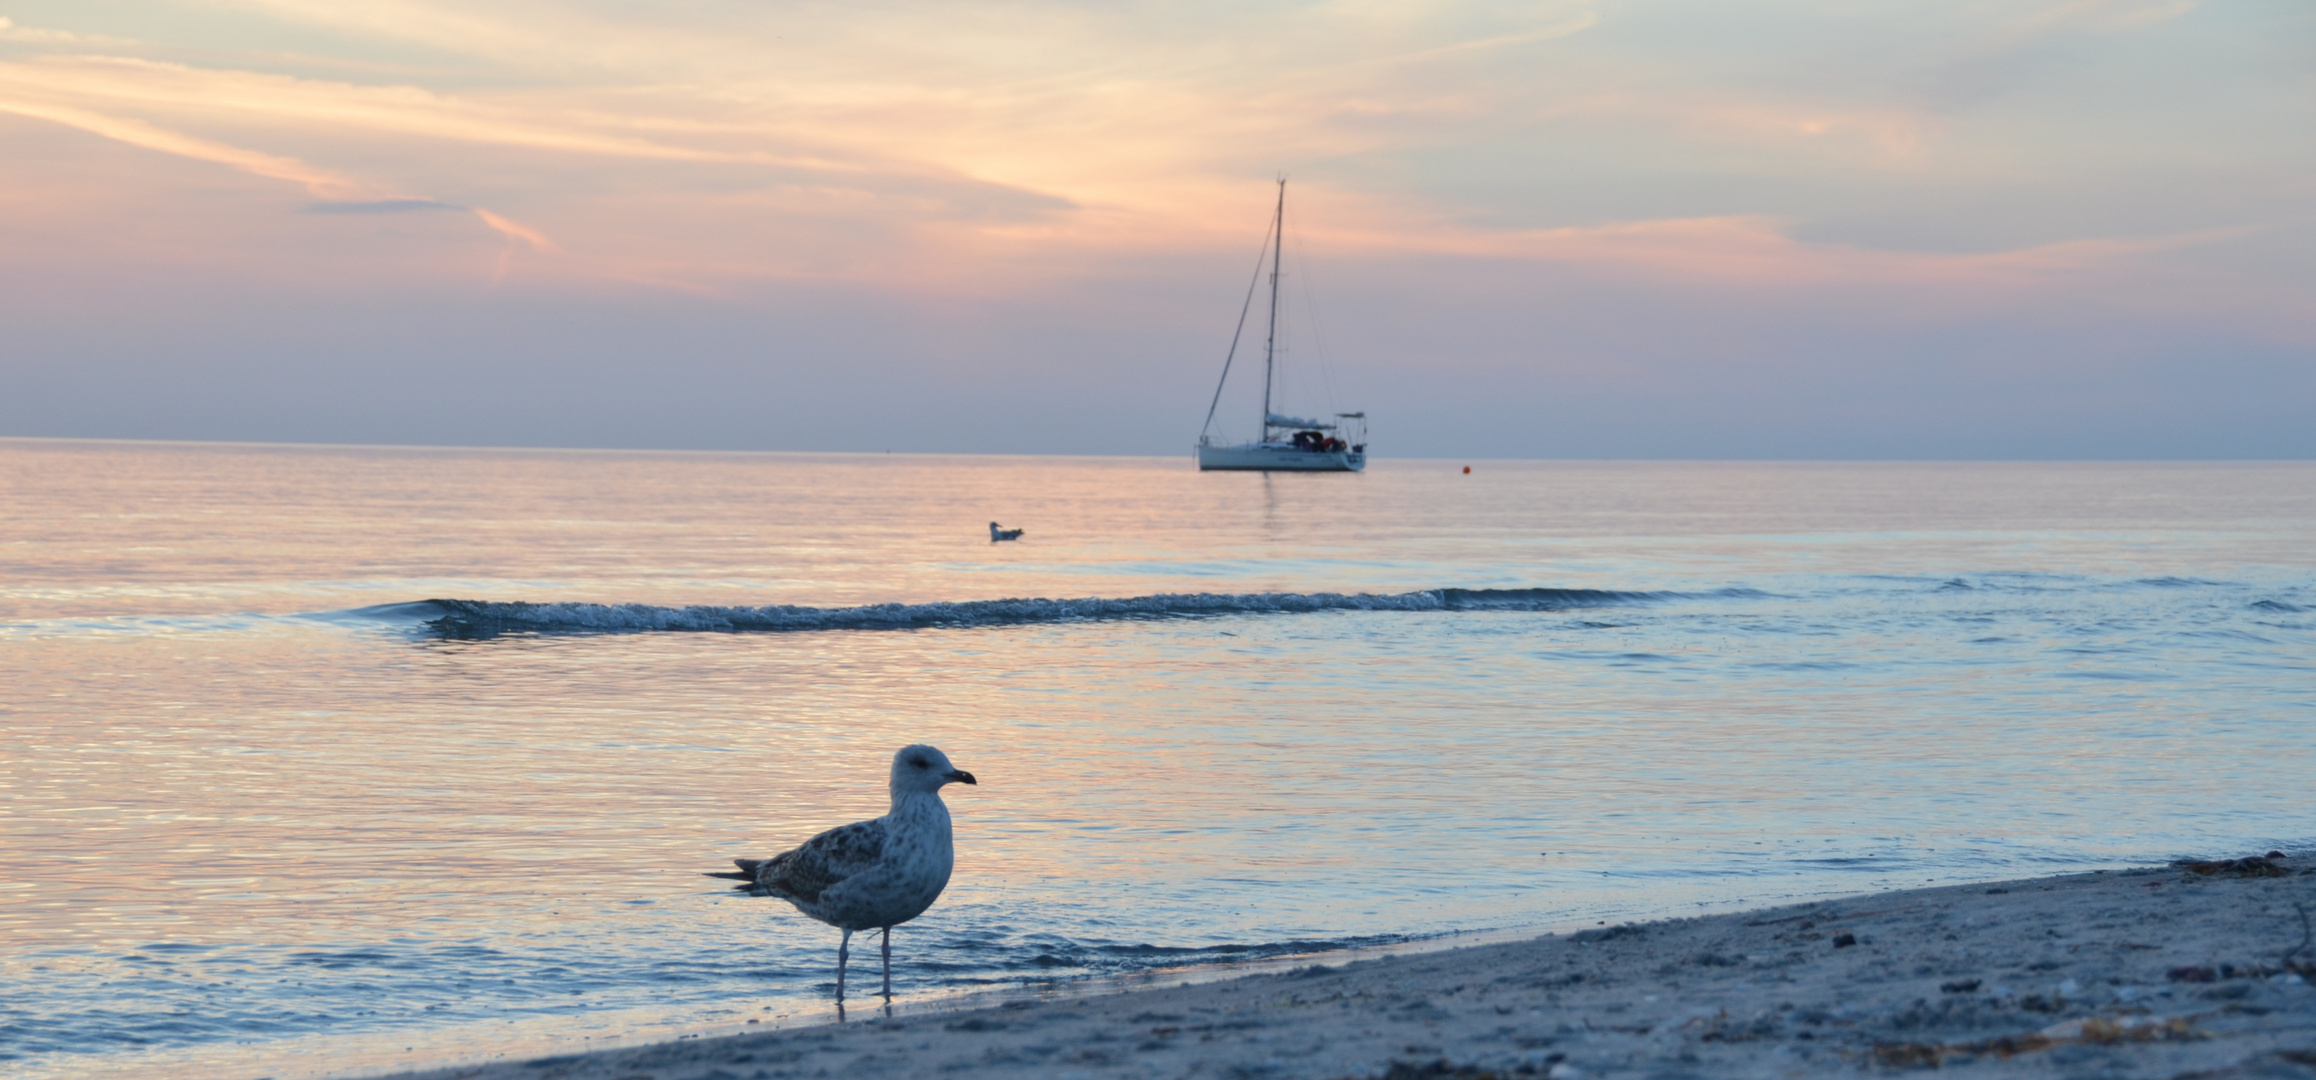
(269, 444)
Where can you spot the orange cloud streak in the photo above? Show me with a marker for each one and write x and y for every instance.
(514, 231)
(322, 183)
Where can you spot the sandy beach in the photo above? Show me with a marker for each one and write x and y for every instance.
(2188, 970)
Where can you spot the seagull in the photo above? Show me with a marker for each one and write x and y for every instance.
(996, 533)
(870, 875)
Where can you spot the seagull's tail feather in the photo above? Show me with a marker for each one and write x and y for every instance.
(746, 874)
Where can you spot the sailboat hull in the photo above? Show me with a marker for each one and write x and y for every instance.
(1278, 457)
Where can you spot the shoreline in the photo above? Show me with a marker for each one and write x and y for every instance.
(2201, 970)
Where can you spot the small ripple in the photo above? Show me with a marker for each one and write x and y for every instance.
(2230, 635)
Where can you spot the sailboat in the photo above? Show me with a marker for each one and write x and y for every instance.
(1288, 443)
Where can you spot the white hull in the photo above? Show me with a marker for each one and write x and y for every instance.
(1278, 457)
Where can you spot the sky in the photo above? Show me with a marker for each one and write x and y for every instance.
(1784, 229)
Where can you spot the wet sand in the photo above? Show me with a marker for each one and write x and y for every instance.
(2180, 971)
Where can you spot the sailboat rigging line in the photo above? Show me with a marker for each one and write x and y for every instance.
(1314, 323)
(1243, 308)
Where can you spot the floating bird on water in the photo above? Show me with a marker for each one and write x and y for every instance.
(996, 533)
(870, 875)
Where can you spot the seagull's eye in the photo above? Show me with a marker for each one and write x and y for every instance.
(921, 763)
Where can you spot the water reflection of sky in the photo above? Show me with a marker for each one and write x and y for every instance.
(333, 833)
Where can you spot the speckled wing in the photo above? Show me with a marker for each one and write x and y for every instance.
(814, 866)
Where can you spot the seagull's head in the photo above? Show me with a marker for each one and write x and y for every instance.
(923, 768)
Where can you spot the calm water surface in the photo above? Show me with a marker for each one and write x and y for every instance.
(263, 816)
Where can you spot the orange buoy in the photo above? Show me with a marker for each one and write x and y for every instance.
(1467, 470)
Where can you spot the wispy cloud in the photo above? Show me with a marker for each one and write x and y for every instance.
(2103, 15)
(378, 111)
(336, 193)
(9, 31)
(513, 231)
(1760, 253)
(380, 206)
(321, 183)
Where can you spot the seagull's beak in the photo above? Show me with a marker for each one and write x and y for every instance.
(962, 777)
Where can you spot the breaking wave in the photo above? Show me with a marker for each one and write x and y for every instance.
(490, 618)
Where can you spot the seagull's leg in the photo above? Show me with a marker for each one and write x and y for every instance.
(843, 950)
(888, 964)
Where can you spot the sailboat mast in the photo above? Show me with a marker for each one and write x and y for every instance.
(1271, 342)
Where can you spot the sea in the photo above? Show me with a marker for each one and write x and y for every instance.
(335, 760)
